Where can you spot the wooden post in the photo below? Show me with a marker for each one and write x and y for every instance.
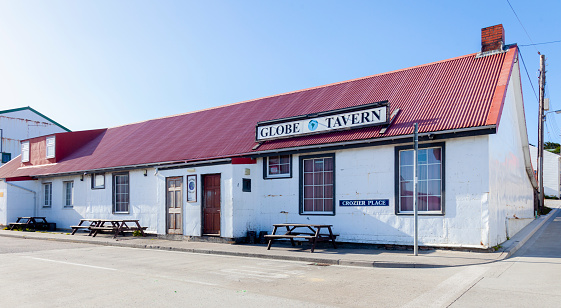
(540, 133)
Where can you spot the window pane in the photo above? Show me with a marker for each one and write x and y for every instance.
(318, 165)
(318, 205)
(308, 178)
(318, 191)
(406, 173)
(422, 187)
(328, 164)
(406, 203)
(274, 160)
(406, 188)
(308, 191)
(434, 187)
(434, 172)
(308, 165)
(422, 172)
(422, 158)
(318, 178)
(434, 203)
(285, 169)
(308, 205)
(422, 203)
(285, 159)
(328, 177)
(434, 155)
(328, 205)
(328, 192)
(274, 169)
(406, 158)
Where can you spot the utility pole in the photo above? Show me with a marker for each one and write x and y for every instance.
(540, 132)
(415, 191)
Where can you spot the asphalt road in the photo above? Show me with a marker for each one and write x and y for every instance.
(57, 274)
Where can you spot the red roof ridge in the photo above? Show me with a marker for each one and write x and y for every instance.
(301, 90)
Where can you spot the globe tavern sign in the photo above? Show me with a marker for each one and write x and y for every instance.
(324, 122)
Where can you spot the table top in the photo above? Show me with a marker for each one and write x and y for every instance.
(301, 225)
(109, 220)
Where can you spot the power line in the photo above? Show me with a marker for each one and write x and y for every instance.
(526, 69)
(521, 24)
(540, 43)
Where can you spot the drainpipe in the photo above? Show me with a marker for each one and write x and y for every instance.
(31, 191)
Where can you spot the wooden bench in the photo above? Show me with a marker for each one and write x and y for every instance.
(314, 236)
(35, 223)
(116, 226)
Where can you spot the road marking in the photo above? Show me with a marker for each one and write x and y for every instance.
(450, 289)
(70, 263)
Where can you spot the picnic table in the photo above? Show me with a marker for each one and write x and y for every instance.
(116, 226)
(310, 232)
(36, 223)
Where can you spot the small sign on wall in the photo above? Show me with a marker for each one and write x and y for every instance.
(373, 202)
(192, 188)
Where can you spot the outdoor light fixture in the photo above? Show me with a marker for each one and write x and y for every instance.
(145, 172)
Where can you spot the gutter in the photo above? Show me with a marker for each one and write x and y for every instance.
(31, 191)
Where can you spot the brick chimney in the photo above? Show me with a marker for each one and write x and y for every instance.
(492, 38)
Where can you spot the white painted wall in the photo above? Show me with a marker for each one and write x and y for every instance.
(193, 210)
(551, 171)
(510, 190)
(21, 202)
(21, 125)
(368, 173)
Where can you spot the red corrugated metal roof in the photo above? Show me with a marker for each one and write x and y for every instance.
(458, 93)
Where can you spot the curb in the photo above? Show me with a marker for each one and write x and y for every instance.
(313, 260)
(509, 251)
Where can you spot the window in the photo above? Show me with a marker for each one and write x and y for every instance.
(430, 179)
(317, 185)
(47, 194)
(98, 181)
(51, 147)
(25, 151)
(121, 192)
(278, 167)
(68, 193)
(246, 185)
(6, 157)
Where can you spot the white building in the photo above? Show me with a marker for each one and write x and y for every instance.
(551, 171)
(21, 124)
(338, 154)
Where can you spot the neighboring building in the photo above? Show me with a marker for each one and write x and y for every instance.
(339, 154)
(551, 171)
(21, 124)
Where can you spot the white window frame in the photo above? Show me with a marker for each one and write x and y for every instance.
(399, 150)
(323, 185)
(47, 195)
(68, 202)
(50, 147)
(25, 152)
(266, 169)
(95, 176)
(116, 191)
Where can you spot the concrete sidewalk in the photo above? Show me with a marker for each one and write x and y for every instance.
(324, 254)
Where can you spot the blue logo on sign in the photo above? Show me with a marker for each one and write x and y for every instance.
(312, 125)
(191, 185)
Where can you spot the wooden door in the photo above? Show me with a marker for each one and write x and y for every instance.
(211, 204)
(174, 205)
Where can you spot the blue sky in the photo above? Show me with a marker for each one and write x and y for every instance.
(94, 64)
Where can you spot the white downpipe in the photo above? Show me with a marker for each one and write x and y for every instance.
(31, 191)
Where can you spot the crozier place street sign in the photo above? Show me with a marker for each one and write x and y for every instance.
(324, 122)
